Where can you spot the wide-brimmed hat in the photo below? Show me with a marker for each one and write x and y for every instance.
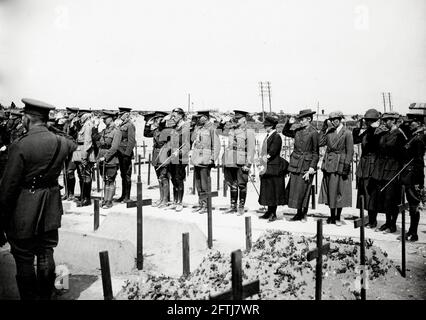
(391, 115)
(372, 114)
(305, 113)
(336, 115)
(270, 121)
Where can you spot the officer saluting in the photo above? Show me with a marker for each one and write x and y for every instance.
(31, 201)
(125, 153)
(303, 162)
(238, 158)
(154, 128)
(109, 141)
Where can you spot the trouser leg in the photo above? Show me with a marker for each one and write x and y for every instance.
(26, 278)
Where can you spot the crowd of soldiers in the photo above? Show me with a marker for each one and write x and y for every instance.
(35, 148)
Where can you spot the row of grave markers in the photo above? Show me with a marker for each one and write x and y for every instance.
(240, 291)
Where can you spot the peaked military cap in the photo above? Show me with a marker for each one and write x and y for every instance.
(72, 109)
(204, 113)
(238, 114)
(178, 110)
(156, 114)
(109, 113)
(16, 112)
(124, 109)
(305, 113)
(81, 111)
(36, 107)
(390, 115)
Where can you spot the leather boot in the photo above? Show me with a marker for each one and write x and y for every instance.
(372, 219)
(87, 190)
(304, 214)
(166, 191)
(123, 191)
(128, 189)
(160, 187)
(27, 287)
(243, 196)
(332, 219)
(46, 282)
(80, 197)
(234, 199)
(414, 223)
(109, 192)
(179, 206)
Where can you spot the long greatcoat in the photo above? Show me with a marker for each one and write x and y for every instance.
(336, 192)
(369, 147)
(272, 181)
(305, 155)
(29, 212)
(389, 161)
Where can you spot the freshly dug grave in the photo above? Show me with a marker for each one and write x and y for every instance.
(278, 260)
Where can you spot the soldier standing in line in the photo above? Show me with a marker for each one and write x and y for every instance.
(125, 153)
(238, 157)
(71, 128)
(109, 142)
(155, 128)
(303, 162)
(31, 201)
(388, 162)
(413, 175)
(364, 134)
(180, 144)
(14, 126)
(336, 186)
(205, 151)
(84, 158)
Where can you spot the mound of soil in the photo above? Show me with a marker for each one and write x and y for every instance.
(278, 260)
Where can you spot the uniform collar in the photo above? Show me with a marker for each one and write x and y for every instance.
(38, 128)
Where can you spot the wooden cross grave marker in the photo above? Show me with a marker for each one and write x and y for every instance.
(144, 148)
(106, 275)
(360, 223)
(238, 290)
(148, 162)
(401, 208)
(209, 195)
(139, 204)
(317, 253)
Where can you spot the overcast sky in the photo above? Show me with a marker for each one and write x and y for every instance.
(151, 54)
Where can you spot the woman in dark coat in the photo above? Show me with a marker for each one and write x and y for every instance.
(369, 147)
(336, 186)
(272, 170)
(303, 162)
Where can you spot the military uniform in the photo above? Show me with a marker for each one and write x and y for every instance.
(125, 154)
(413, 175)
(31, 202)
(4, 142)
(179, 145)
(238, 157)
(205, 151)
(84, 158)
(336, 185)
(71, 128)
(369, 146)
(305, 155)
(14, 126)
(389, 161)
(109, 142)
(155, 129)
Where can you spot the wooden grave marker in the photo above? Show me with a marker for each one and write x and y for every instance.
(360, 223)
(401, 208)
(209, 195)
(106, 275)
(317, 253)
(238, 290)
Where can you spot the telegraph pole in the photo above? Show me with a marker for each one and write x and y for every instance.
(269, 95)
(261, 94)
(390, 103)
(189, 102)
(384, 102)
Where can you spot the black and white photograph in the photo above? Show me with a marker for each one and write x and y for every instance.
(203, 152)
